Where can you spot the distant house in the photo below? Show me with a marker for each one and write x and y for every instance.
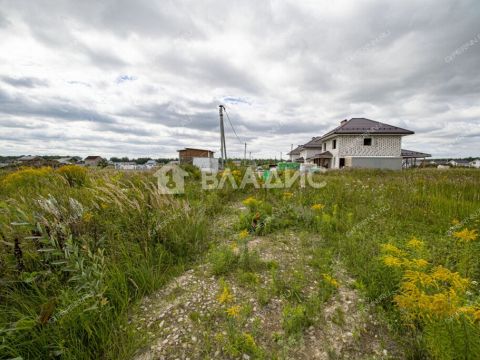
(356, 143)
(475, 163)
(29, 158)
(66, 161)
(459, 163)
(186, 155)
(126, 165)
(295, 154)
(203, 159)
(442, 163)
(150, 164)
(93, 160)
(34, 161)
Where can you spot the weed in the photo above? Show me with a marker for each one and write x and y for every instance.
(223, 260)
(294, 319)
(338, 317)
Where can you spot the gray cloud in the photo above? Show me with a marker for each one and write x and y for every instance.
(28, 82)
(3, 21)
(18, 105)
(154, 73)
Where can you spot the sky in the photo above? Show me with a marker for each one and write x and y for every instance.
(144, 78)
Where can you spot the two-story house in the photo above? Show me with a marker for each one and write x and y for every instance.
(357, 143)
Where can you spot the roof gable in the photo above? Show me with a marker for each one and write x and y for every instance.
(194, 149)
(314, 143)
(91, 157)
(367, 126)
(296, 151)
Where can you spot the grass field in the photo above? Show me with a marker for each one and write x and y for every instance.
(82, 250)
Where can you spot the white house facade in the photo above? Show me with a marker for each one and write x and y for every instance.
(475, 163)
(357, 143)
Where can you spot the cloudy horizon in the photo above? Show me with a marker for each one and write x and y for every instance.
(145, 78)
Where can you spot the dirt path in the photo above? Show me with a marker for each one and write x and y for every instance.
(279, 306)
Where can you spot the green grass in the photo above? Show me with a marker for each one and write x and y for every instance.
(78, 249)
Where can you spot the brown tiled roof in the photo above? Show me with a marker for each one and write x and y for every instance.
(93, 157)
(296, 151)
(197, 150)
(362, 125)
(323, 155)
(314, 143)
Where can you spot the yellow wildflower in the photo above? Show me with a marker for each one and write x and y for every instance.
(471, 311)
(249, 340)
(453, 278)
(87, 217)
(234, 311)
(467, 310)
(418, 277)
(466, 235)
(455, 222)
(392, 249)
(392, 261)
(442, 304)
(317, 207)
(330, 280)
(476, 315)
(414, 243)
(419, 262)
(226, 296)
(251, 201)
(287, 195)
(243, 234)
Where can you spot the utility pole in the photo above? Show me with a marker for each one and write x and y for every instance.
(223, 148)
(245, 154)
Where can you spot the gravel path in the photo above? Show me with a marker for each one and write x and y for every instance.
(185, 320)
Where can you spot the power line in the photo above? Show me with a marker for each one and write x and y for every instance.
(231, 125)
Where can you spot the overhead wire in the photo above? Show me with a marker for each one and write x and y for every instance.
(233, 129)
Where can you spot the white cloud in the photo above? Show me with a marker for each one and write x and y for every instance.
(145, 78)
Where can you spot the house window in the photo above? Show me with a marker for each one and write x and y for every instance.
(324, 146)
(334, 144)
(367, 142)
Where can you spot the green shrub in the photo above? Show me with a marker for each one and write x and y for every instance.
(223, 260)
(75, 175)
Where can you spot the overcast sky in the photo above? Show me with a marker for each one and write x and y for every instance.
(144, 78)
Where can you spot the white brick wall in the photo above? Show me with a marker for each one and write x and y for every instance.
(382, 145)
(352, 145)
